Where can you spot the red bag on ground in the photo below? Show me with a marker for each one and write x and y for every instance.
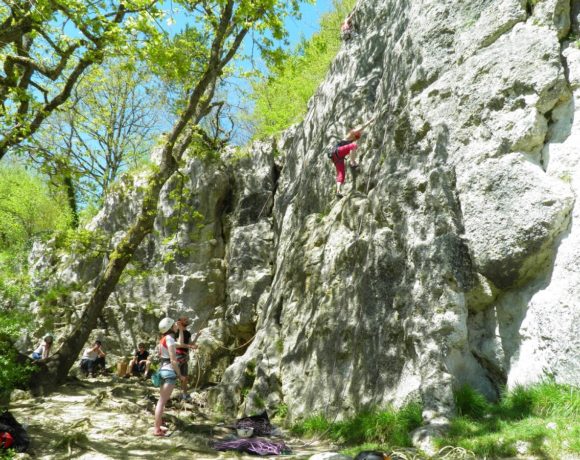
(12, 434)
(6, 440)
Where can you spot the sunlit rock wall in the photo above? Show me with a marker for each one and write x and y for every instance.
(452, 259)
(209, 258)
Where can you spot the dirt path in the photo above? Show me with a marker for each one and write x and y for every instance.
(110, 418)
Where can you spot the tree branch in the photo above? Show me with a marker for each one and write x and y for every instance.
(52, 73)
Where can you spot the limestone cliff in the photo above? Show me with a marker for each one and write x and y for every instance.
(452, 258)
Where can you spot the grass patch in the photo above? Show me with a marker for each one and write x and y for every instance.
(383, 429)
(8, 454)
(542, 420)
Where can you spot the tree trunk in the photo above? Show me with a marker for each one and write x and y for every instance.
(59, 364)
(72, 200)
(199, 100)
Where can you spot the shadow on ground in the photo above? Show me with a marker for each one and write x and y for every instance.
(111, 418)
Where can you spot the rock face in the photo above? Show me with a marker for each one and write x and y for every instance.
(452, 258)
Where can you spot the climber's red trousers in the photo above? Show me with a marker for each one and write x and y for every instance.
(343, 151)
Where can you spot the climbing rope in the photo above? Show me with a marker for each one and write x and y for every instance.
(198, 359)
(236, 348)
(263, 207)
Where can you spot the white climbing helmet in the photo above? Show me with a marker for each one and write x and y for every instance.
(165, 324)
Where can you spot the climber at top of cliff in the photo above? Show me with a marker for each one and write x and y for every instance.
(347, 27)
(341, 150)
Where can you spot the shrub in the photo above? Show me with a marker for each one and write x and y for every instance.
(470, 403)
(12, 373)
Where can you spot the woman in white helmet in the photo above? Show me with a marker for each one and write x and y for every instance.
(169, 371)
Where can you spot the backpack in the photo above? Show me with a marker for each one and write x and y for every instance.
(6, 440)
(12, 434)
(332, 150)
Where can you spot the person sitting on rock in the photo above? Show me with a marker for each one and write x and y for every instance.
(43, 349)
(140, 363)
(93, 359)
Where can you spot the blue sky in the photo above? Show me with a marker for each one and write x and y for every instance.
(297, 28)
(309, 23)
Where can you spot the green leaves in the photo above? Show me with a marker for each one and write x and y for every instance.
(282, 98)
(28, 209)
(46, 47)
(543, 416)
(107, 126)
(178, 59)
(12, 374)
(388, 427)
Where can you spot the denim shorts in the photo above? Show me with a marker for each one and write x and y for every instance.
(168, 376)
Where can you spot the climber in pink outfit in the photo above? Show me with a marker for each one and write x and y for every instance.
(340, 152)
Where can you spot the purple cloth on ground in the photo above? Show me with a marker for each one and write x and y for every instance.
(253, 446)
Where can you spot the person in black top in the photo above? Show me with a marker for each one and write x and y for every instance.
(182, 351)
(140, 363)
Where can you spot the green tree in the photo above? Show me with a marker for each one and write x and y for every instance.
(281, 98)
(47, 45)
(107, 126)
(14, 370)
(29, 208)
(218, 28)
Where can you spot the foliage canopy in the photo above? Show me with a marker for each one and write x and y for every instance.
(47, 45)
(29, 208)
(281, 98)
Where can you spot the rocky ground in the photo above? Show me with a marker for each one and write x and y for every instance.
(107, 418)
(111, 418)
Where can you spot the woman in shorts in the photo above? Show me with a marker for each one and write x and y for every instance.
(169, 371)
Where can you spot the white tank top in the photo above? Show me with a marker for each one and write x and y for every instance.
(164, 351)
(40, 349)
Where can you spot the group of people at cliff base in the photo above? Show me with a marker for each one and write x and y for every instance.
(93, 359)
